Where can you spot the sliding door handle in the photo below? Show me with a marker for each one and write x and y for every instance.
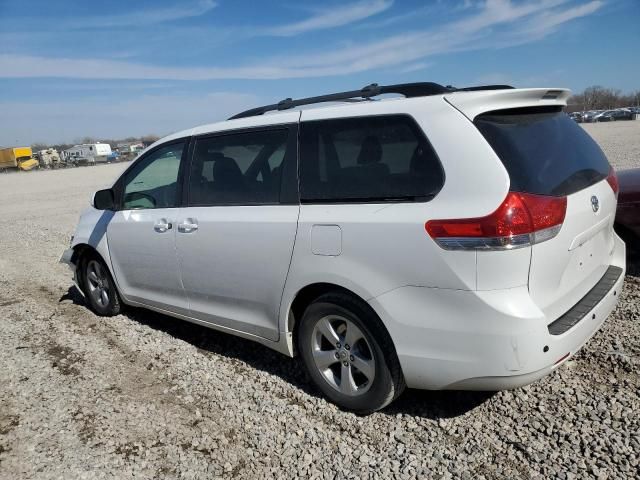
(187, 226)
(162, 225)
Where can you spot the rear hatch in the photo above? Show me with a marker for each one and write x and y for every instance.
(548, 154)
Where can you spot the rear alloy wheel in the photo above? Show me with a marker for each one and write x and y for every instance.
(348, 354)
(342, 355)
(100, 289)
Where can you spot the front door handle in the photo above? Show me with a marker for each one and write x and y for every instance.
(187, 226)
(162, 225)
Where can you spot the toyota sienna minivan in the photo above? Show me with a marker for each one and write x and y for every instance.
(404, 235)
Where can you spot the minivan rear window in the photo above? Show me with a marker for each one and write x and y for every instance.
(367, 159)
(544, 151)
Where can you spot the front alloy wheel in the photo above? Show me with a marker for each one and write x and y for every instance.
(100, 289)
(98, 283)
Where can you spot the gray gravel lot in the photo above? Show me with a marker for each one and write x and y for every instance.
(141, 395)
(619, 140)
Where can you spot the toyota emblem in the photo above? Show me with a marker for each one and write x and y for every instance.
(595, 204)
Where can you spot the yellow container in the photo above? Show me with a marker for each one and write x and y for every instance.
(18, 157)
(28, 164)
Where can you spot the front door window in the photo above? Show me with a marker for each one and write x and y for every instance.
(153, 182)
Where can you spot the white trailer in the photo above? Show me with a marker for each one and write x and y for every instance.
(88, 153)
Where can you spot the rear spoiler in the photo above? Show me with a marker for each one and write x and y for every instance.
(472, 104)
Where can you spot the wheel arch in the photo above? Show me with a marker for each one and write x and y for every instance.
(307, 294)
(82, 250)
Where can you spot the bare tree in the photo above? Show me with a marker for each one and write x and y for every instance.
(149, 138)
(593, 97)
(36, 147)
(600, 98)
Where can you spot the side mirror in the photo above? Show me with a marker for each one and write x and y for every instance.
(104, 200)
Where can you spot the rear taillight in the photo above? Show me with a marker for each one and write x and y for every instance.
(521, 220)
(612, 179)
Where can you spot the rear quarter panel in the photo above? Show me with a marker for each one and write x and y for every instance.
(385, 246)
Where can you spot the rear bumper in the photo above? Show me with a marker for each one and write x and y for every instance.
(483, 340)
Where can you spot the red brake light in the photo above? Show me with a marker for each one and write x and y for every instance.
(545, 212)
(612, 179)
(521, 219)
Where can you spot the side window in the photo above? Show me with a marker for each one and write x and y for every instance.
(153, 182)
(238, 169)
(381, 158)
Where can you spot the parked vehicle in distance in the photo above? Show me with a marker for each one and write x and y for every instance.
(129, 151)
(576, 116)
(604, 116)
(623, 114)
(20, 158)
(414, 241)
(614, 115)
(628, 213)
(587, 117)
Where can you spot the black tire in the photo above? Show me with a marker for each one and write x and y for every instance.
(388, 381)
(104, 306)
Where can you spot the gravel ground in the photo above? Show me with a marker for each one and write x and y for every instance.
(619, 140)
(146, 396)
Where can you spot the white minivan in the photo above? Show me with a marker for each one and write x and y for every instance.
(447, 239)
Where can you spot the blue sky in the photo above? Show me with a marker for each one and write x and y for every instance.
(74, 68)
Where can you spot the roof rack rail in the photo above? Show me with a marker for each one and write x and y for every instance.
(409, 90)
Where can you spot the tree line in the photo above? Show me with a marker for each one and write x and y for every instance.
(602, 98)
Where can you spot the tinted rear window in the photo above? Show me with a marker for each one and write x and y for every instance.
(367, 159)
(238, 169)
(545, 152)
